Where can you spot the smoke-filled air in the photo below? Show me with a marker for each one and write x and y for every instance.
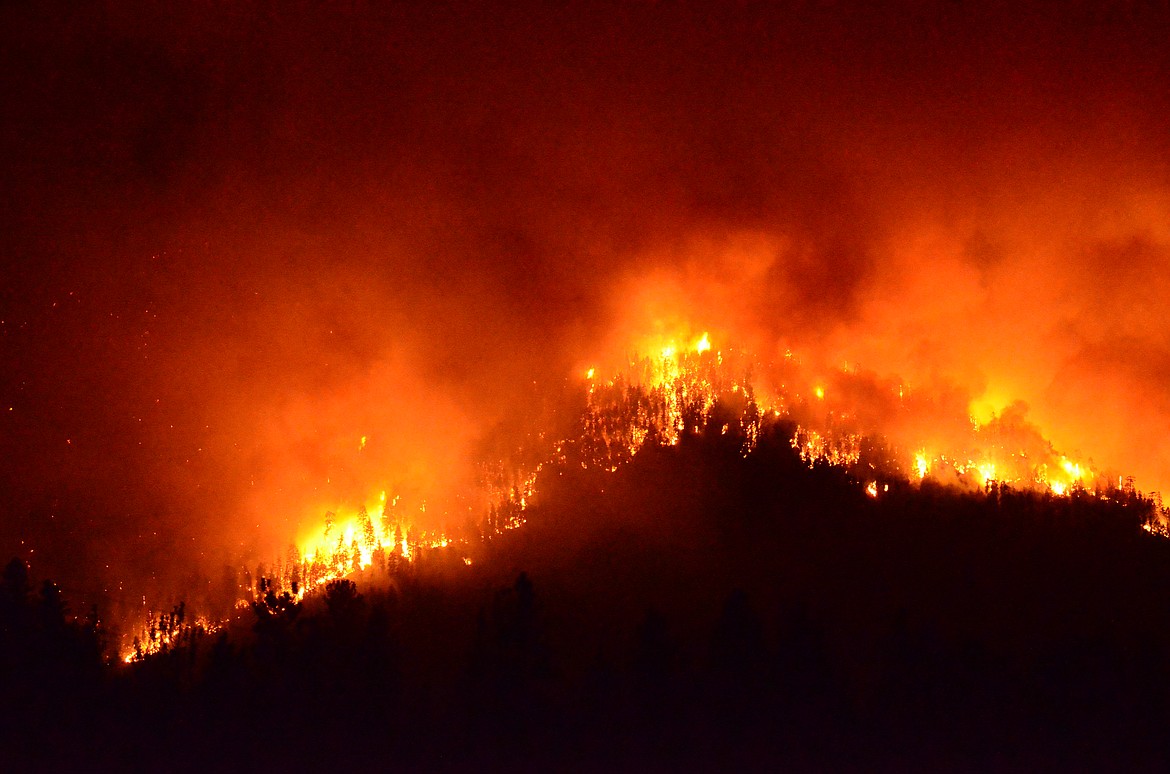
(292, 287)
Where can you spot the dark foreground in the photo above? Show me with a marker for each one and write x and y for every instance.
(695, 610)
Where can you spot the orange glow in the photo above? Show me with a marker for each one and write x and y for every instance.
(241, 305)
(669, 397)
(986, 408)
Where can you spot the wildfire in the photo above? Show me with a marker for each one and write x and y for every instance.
(661, 399)
(986, 471)
(379, 536)
(166, 631)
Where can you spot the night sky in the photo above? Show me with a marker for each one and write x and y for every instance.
(239, 236)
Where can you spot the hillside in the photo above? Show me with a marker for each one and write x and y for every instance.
(695, 608)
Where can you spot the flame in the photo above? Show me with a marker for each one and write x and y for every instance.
(356, 540)
(1072, 468)
(665, 398)
(986, 470)
(165, 632)
(661, 399)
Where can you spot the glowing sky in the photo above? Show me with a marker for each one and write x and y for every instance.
(238, 237)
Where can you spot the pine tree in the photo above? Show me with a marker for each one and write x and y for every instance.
(369, 537)
(385, 517)
(293, 564)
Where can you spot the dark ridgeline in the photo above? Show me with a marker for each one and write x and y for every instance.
(694, 609)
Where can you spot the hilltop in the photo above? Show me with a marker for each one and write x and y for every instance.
(695, 607)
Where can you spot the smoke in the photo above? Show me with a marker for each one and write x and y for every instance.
(240, 239)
